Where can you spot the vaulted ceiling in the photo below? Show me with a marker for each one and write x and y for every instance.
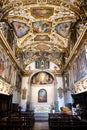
(42, 28)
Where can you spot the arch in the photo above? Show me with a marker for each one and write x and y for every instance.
(31, 90)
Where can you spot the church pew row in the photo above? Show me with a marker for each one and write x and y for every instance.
(17, 121)
(61, 121)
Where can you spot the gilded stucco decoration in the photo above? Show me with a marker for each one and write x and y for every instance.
(42, 27)
(80, 86)
(5, 88)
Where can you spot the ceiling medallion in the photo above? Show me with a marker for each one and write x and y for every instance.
(42, 12)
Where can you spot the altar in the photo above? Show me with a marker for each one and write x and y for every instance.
(42, 109)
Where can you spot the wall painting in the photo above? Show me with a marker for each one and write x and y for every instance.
(80, 66)
(42, 78)
(42, 95)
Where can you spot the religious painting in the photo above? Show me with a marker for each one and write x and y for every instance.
(60, 92)
(42, 38)
(6, 66)
(20, 28)
(44, 64)
(18, 80)
(42, 95)
(24, 93)
(80, 66)
(3, 61)
(42, 78)
(63, 28)
(66, 80)
(42, 27)
(43, 48)
(2, 64)
(42, 12)
(42, 53)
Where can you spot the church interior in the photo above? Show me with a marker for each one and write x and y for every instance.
(43, 64)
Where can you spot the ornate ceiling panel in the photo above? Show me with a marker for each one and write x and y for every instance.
(42, 27)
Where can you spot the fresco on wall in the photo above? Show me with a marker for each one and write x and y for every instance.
(7, 30)
(24, 93)
(42, 12)
(2, 62)
(63, 28)
(80, 66)
(42, 38)
(66, 80)
(42, 27)
(42, 95)
(44, 64)
(7, 70)
(20, 28)
(42, 78)
(60, 92)
(18, 81)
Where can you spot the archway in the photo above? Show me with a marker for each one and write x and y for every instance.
(42, 92)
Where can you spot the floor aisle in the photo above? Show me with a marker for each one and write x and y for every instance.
(41, 125)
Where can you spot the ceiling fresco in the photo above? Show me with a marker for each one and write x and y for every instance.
(42, 27)
(20, 28)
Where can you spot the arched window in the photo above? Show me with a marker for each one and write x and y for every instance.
(42, 95)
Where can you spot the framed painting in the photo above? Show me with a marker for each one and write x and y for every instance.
(42, 95)
(24, 93)
(80, 66)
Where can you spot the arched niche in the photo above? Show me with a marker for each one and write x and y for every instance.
(41, 80)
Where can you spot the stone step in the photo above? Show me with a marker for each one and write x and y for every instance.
(41, 116)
